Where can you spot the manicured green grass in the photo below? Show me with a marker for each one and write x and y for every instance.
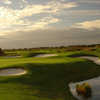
(47, 78)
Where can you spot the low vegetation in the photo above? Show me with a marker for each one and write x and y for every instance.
(1, 52)
(84, 90)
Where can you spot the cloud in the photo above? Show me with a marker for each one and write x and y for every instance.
(25, 1)
(57, 6)
(13, 19)
(40, 24)
(6, 2)
(52, 7)
(89, 25)
(29, 10)
(89, 1)
(27, 26)
(83, 12)
(8, 17)
(50, 37)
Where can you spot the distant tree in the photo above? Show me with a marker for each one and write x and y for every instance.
(1, 52)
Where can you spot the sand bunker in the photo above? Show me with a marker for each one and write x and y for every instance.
(94, 59)
(12, 72)
(95, 83)
(46, 55)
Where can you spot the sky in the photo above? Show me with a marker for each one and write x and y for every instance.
(42, 23)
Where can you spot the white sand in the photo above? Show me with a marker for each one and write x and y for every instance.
(95, 83)
(12, 72)
(94, 59)
(46, 55)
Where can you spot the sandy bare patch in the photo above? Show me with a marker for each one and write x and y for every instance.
(12, 72)
(46, 55)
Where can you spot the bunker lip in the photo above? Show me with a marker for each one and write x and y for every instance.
(12, 71)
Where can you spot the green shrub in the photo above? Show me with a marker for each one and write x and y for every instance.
(1, 52)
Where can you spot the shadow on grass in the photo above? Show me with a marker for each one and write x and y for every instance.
(81, 54)
(51, 80)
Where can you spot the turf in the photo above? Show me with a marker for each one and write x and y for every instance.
(47, 78)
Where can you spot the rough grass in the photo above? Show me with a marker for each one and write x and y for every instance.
(47, 78)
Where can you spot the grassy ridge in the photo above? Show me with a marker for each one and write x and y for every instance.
(47, 78)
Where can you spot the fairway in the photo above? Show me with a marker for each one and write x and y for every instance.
(47, 78)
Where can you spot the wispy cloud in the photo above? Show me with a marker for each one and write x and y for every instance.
(25, 1)
(89, 25)
(40, 24)
(13, 19)
(27, 20)
(27, 26)
(6, 1)
(83, 12)
(89, 1)
(51, 7)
